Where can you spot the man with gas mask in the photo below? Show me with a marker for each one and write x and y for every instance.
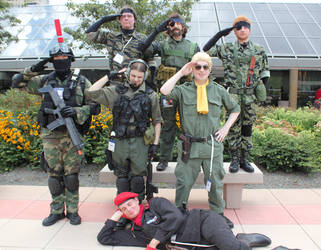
(134, 107)
(61, 156)
(122, 46)
(175, 52)
(246, 76)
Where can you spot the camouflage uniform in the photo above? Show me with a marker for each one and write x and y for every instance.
(127, 44)
(130, 154)
(236, 61)
(198, 125)
(60, 154)
(173, 54)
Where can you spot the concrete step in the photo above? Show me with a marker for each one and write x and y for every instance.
(168, 176)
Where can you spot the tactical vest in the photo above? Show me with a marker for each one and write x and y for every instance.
(69, 96)
(178, 57)
(138, 107)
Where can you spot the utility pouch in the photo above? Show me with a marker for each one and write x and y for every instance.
(149, 135)
(260, 92)
(164, 73)
(186, 147)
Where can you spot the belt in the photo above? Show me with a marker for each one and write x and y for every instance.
(241, 91)
(197, 139)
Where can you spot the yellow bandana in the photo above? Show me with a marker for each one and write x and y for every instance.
(202, 104)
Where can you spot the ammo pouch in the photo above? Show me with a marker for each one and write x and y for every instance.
(109, 160)
(164, 72)
(241, 91)
(149, 135)
(260, 92)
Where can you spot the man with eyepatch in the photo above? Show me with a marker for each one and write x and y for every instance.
(122, 46)
(200, 142)
(153, 225)
(175, 52)
(246, 75)
(61, 158)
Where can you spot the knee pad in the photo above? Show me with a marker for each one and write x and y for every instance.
(122, 184)
(246, 130)
(71, 182)
(55, 185)
(137, 184)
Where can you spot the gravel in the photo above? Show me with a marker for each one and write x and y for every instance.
(89, 177)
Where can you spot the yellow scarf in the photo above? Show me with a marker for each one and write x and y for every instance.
(202, 104)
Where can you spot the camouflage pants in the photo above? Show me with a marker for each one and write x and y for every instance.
(63, 160)
(240, 134)
(169, 129)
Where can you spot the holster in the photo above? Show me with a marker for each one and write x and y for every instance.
(186, 147)
(109, 159)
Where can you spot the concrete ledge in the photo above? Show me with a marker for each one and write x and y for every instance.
(233, 183)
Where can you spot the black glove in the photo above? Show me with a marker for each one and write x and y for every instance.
(216, 37)
(152, 150)
(95, 108)
(115, 75)
(16, 80)
(40, 66)
(142, 46)
(68, 111)
(94, 27)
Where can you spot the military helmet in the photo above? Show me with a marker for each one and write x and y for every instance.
(61, 49)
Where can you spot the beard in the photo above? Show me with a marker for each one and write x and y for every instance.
(175, 32)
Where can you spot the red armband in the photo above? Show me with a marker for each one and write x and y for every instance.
(150, 248)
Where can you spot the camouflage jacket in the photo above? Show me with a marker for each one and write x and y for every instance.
(200, 125)
(236, 62)
(34, 82)
(118, 42)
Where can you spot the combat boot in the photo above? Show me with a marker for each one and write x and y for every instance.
(52, 219)
(74, 218)
(162, 165)
(245, 164)
(235, 161)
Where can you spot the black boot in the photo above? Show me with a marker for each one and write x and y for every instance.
(122, 223)
(162, 165)
(254, 239)
(228, 221)
(74, 218)
(245, 164)
(284, 248)
(52, 219)
(235, 161)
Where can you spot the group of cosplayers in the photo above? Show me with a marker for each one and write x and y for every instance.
(143, 123)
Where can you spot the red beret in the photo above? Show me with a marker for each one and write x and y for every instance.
(124, 196)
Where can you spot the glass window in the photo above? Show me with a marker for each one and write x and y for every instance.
(317, 16)
(35, 48)
(38, 19)
(255, 30)
(28, 32)
(226, 16)
(24, 18)
(271, 29)
(311, 29)
(291, 29)
(312, 7)
(309, 83)
(15, 49)
(264, 16)
(259, 6)
(295, 6)
(316, 43)
(301, 46)
(47, 32)
(246, 12)
(277, 6)
(241, 6)
(261, 41)
(302, 16)
(208, 29)
(283, 17)
(207, 15)
(223, 6)
(279, 46)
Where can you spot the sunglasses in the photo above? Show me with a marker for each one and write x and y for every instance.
(198, 67)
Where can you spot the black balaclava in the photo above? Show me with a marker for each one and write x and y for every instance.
(62, 68)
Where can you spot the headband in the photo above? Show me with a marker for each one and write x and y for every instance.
(178, 20)
(239, 25)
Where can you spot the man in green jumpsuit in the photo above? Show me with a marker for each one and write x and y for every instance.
(200, 103)
(175, 52)
(246, 72)
(60, 154)
(122, 46)
(134, 106)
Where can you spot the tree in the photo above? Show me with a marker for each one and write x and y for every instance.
(6, 20)
(149, 14)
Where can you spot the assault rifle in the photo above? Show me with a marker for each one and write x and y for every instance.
(68, 121)
(150, 188)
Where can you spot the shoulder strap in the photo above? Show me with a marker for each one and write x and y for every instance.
(50, 76)
(192, 49)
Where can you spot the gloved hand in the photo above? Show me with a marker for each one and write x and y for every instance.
(152, 150)
(163, 25)
(94, 27)
(227, 31)
(40, 66)
(216, 37)
(115, 75)
(150, 248)
(68, 111)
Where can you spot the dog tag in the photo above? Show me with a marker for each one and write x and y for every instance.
(119, 58)
(111, 145)
(208, 185)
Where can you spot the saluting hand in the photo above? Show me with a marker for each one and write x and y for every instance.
(187, 68)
